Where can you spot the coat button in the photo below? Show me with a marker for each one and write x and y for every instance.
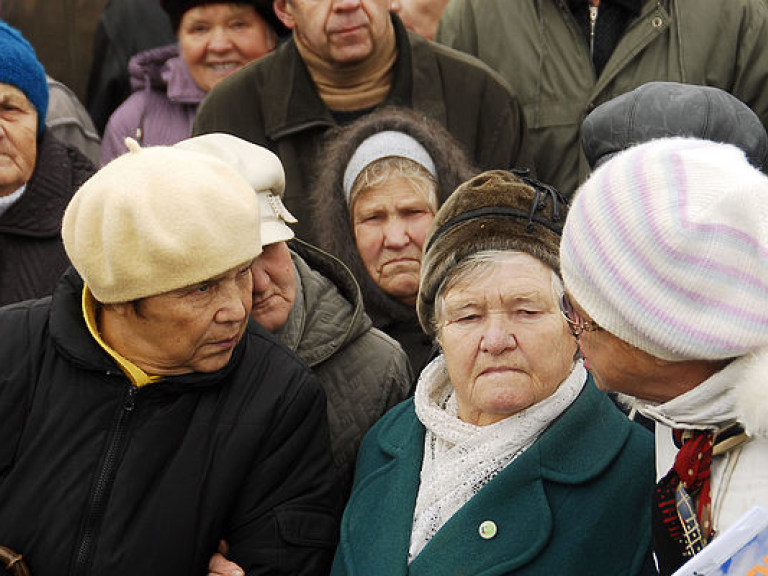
(487, 530)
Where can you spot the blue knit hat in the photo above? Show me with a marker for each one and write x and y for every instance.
(20, 67)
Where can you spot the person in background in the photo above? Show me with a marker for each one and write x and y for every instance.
(666, 109)
(141, 420)
(346, 58)
(215, 38)
(563, 58)
(69, 121)
(311, 302)
(124, 28)
(664, 262)
(379, 184)
(420, 16)
(38, 176)
(507, 460)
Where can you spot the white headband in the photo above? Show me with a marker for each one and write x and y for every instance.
(386, 145)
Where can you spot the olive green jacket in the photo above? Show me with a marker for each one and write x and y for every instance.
(538, 48)
(363, 371)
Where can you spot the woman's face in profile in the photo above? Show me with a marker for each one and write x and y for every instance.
(390, 223)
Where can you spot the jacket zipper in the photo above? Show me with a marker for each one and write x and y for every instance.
(594, 6)
(102, 488)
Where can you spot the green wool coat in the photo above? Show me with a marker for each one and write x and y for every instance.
(577, 502)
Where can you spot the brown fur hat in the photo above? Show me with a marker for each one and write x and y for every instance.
(495, 210)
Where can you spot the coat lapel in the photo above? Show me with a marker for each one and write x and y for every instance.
(516, 505)
(380, 511)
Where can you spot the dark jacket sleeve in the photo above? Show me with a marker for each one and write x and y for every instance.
(286, 520)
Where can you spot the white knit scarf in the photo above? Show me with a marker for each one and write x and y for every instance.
(461, 458)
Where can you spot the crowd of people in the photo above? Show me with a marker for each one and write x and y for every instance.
(376, 287)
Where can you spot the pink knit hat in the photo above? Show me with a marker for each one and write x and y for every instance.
(666, 246)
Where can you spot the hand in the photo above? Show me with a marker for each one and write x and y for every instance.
(218, 565)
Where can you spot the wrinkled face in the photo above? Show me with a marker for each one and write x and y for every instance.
(506, 344)
(390, 223)
(341, 32)
(18, 139)
(617, 366)
(215, 40)
(194, 329)
(274, 286)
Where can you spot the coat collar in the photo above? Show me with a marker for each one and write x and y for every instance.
(38, 212)
(579, 446)
(295, 105)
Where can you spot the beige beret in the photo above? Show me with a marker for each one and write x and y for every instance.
(263, 171)
(158, 219)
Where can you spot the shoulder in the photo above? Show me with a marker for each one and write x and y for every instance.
(456, 63)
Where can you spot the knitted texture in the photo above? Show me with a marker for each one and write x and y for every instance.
(158, 219)
(665, 246)
(20, 67)
(385, 144)
(263, 171)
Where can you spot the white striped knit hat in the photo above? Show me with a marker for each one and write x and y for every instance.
(666, 247)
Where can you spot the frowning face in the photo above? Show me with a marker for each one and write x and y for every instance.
(194, 329)
(390, 223)
(506, 345)
(18, 139)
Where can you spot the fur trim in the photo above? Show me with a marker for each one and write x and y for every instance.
(332, 225)
(751, 393)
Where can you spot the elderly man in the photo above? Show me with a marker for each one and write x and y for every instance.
(139, 408)
(312, 303)
(347, 57)
(664, 259)
(38, 176)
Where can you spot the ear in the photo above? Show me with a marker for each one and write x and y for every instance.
(284, 11)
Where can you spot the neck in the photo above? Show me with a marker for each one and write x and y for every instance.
(673, 379)
(355, 86)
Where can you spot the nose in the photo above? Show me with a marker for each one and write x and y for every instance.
(260, 278)
(396, 233)
(498, 334)
(342, 5)
(219, 40)
(234, 303)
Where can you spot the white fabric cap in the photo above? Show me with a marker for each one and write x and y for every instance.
(158, 219)
(263, 171)
(387, 144)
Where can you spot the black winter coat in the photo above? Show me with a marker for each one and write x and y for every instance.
(100, 477)
(32, 256)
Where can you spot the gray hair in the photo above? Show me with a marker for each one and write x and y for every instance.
(471, 267)
(378, 172)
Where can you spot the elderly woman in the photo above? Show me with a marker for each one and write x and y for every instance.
(38, 176)
(381, 181)
(215, 39)
(672, 312)
(508, 460)
(139, 412)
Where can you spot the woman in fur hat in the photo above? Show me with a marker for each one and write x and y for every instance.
(380, 183)
(507, 460)
(215, 39)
